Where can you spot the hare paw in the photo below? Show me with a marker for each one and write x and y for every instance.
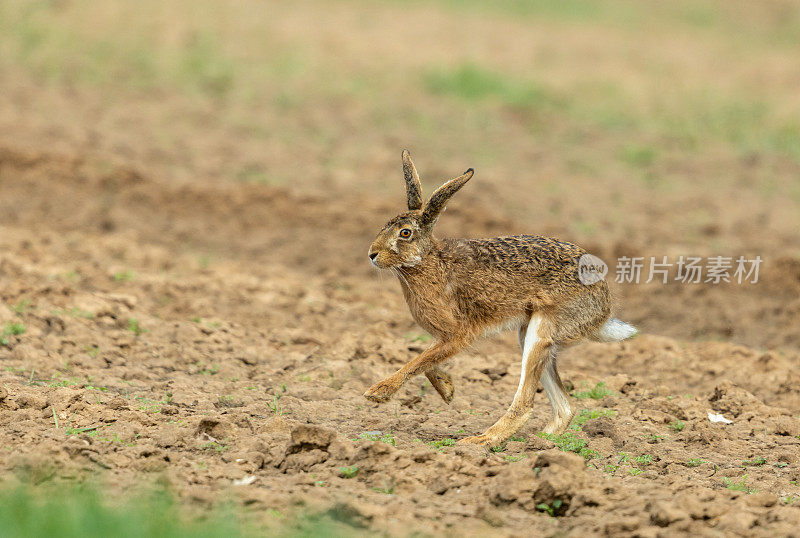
(551, 428)
(558, 425)
(487, 441)
(381, 391)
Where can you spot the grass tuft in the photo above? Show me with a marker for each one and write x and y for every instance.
(677, 425)
(568, 442)
(442, 443)
(598, 392)
(348, 472)
(585, 415)
(134, 327)
(741, 485)
(552, 509)
(387, 438)
(11, 329)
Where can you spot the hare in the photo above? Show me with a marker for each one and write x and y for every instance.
(460, 289)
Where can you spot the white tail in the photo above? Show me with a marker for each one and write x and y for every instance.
(615, 330)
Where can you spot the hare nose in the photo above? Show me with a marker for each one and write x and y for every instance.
(372, 255)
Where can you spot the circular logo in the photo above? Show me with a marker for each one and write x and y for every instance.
(591, 269)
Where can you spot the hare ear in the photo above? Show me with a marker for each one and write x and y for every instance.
(439, 198)
(413, 187)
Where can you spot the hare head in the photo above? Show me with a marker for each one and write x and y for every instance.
(406, 239)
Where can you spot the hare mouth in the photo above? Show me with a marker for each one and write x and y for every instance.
(413, 262)
(379, 265)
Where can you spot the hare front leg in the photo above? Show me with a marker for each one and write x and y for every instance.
(442, 382)
(438, 352)
(537, 350)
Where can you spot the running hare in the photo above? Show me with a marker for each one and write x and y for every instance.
(459, 289)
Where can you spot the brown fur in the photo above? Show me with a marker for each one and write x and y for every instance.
(459, 289)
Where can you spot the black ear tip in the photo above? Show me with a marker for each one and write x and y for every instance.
(469, 171)
(405, 152)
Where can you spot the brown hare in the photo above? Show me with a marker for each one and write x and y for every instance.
(459, 289)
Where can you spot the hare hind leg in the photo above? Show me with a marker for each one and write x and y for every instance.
(557, 394)
(537, 349)
(577, 319)
(554, 388)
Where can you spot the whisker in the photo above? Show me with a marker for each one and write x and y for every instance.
(399, 272)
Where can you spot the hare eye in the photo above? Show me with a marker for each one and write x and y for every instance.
(405, 233)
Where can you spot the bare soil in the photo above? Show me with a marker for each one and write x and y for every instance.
(251, 362)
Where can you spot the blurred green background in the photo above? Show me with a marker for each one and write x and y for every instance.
(636, 105)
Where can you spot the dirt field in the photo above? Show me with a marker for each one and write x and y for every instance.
(187, 195)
